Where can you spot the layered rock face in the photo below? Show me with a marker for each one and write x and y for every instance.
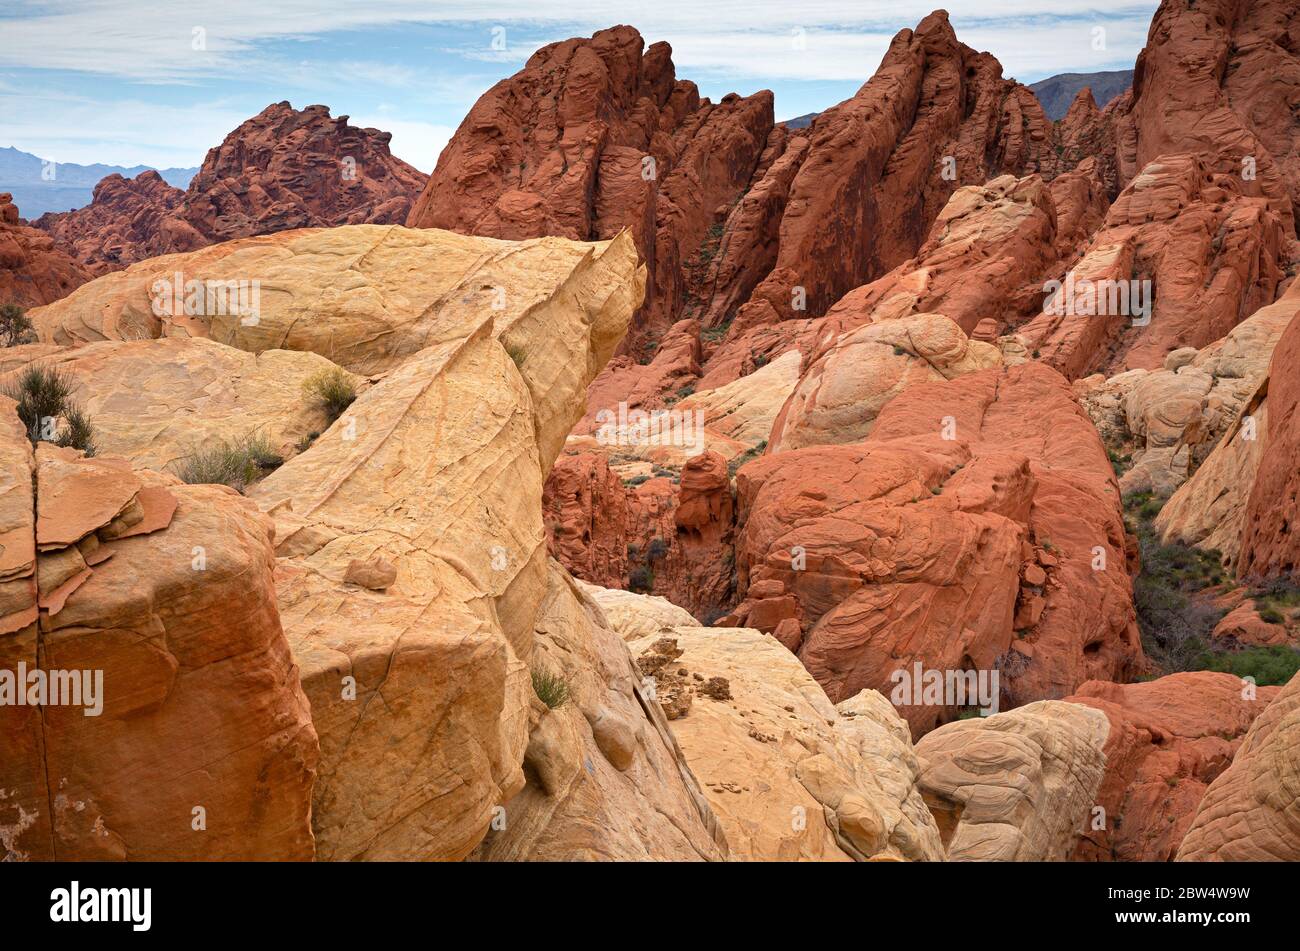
(977, 528)
(140, 614)
(32, 270)
(1183, 254)
(1270, 541)
(1249, 812)
(1016, 786)
(284, 168)
(1215, 79)
(1169, 739)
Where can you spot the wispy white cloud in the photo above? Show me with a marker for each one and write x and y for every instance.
(147, 42)
(122, 132)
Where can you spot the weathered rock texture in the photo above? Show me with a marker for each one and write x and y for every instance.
(789, 775)
(607, 780)
(977, 528)
(1208, 252)
(204, 747)
(1168, 423)
(1169, 739)
(1016, 786)
(32, 270)
(284, 168)
(420, 690)
(1252, 811)
(1217, 78)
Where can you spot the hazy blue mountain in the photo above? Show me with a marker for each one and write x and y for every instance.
(1055, 93)
(72, 185)
(800, 122)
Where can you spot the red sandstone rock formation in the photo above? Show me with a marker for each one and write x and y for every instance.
(284, 168)
(1209, 256)
(738, 210)
(999, 547)
(665, 536)
(1169, 739)
(32, 270)
(129, 219)
(157, 600)
(1216, 79)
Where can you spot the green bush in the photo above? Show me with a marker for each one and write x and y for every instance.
(44, 396)
(237, 464)
(1174, 622)
(15, 328)
(1270, 666)
(332, 389)
(550, 688)
(641, 579)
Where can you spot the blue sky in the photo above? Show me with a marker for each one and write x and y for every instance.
(126, 82)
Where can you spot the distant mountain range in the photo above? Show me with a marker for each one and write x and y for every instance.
(72, 186)
(800, 122)
(1054, 93)
(1057, 92)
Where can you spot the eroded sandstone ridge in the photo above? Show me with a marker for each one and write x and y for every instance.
(282, 169)
(32, 270)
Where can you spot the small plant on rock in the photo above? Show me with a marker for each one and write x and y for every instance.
(44, 398)
(550, 688)
(237, 464)
(15, 328)
(332, 389)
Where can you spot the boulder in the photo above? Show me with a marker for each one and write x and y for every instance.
(789, 775)
(185, 735)
(1017, 786)
(978, 528)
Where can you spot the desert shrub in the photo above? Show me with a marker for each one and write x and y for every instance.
(747, 456)
(656, 549)
(1270, 666)
(641, 579)
(1175, 624)
(15, 328)
(332, 389)
(550, 688)
(44, 396)
(517, 355)
(238, 463)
